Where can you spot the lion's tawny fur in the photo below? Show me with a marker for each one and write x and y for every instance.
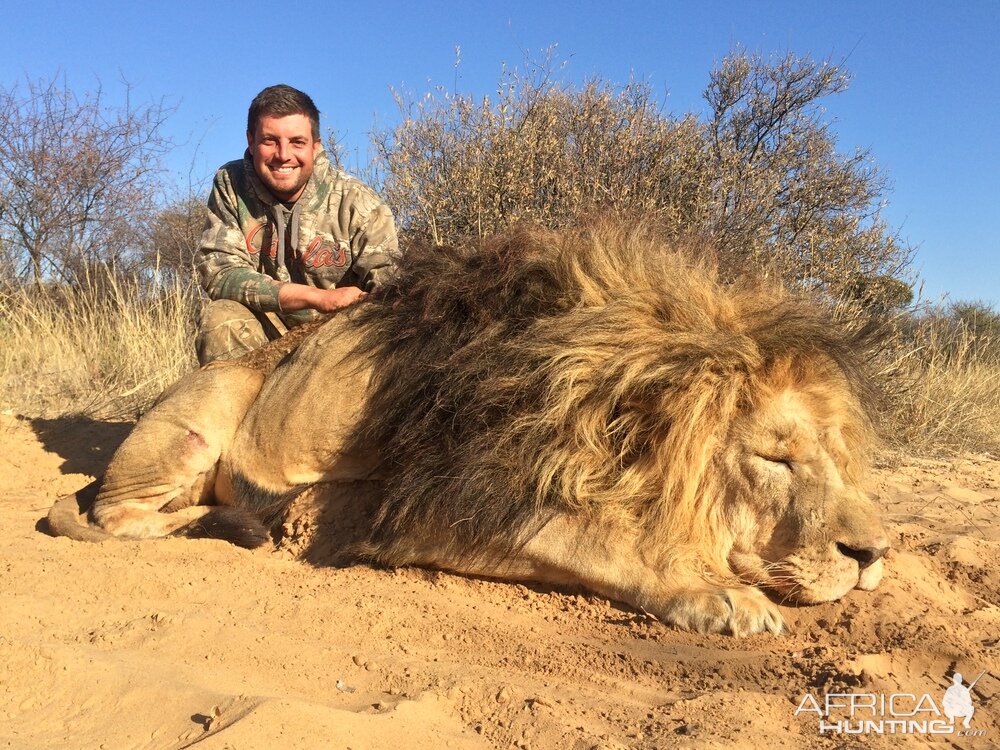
(595, 371)
(589, 407)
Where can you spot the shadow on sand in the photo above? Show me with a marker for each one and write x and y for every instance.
(324, 525)
(85, 445)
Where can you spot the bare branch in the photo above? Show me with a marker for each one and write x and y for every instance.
(78, 179)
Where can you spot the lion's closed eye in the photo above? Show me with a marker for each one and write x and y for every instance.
(777, 463)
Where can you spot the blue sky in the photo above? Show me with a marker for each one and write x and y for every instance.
(925, 98)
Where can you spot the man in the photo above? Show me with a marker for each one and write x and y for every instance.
(288, 235)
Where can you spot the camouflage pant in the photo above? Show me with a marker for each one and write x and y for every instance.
(228, 330)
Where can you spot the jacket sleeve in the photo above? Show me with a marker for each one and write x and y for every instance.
(225, 268)
(374, 243)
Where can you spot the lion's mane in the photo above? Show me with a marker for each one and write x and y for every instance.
(593, 370)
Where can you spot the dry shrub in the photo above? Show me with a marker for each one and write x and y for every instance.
(759, 175)
(174, 236)
(103, 350)
(78, 180)
(457, 168)
(79, 186)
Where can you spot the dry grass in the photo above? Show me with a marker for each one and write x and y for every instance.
(947, 394)
(105, 351)
(759, 175)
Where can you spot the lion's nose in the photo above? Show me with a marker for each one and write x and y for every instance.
(864, 555)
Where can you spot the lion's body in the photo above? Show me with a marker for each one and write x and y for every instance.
(585, 407)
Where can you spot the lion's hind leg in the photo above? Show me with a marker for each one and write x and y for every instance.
(163, 474)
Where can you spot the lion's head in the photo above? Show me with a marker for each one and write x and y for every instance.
(598, 372)
(801, 525)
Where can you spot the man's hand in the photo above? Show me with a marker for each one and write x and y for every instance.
(294, 297)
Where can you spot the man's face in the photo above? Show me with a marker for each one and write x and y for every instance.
(283, 151)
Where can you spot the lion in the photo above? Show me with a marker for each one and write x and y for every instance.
(589, 407)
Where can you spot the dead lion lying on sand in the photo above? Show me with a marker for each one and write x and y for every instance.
(585, 407)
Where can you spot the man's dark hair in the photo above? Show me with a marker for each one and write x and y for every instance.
(281, 101)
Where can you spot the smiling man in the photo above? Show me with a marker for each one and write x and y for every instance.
(288, 235)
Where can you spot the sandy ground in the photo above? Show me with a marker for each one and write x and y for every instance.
(181, 643)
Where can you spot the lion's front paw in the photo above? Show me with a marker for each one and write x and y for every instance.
(736, 611)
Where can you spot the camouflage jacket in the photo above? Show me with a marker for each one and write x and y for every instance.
(338, 233)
